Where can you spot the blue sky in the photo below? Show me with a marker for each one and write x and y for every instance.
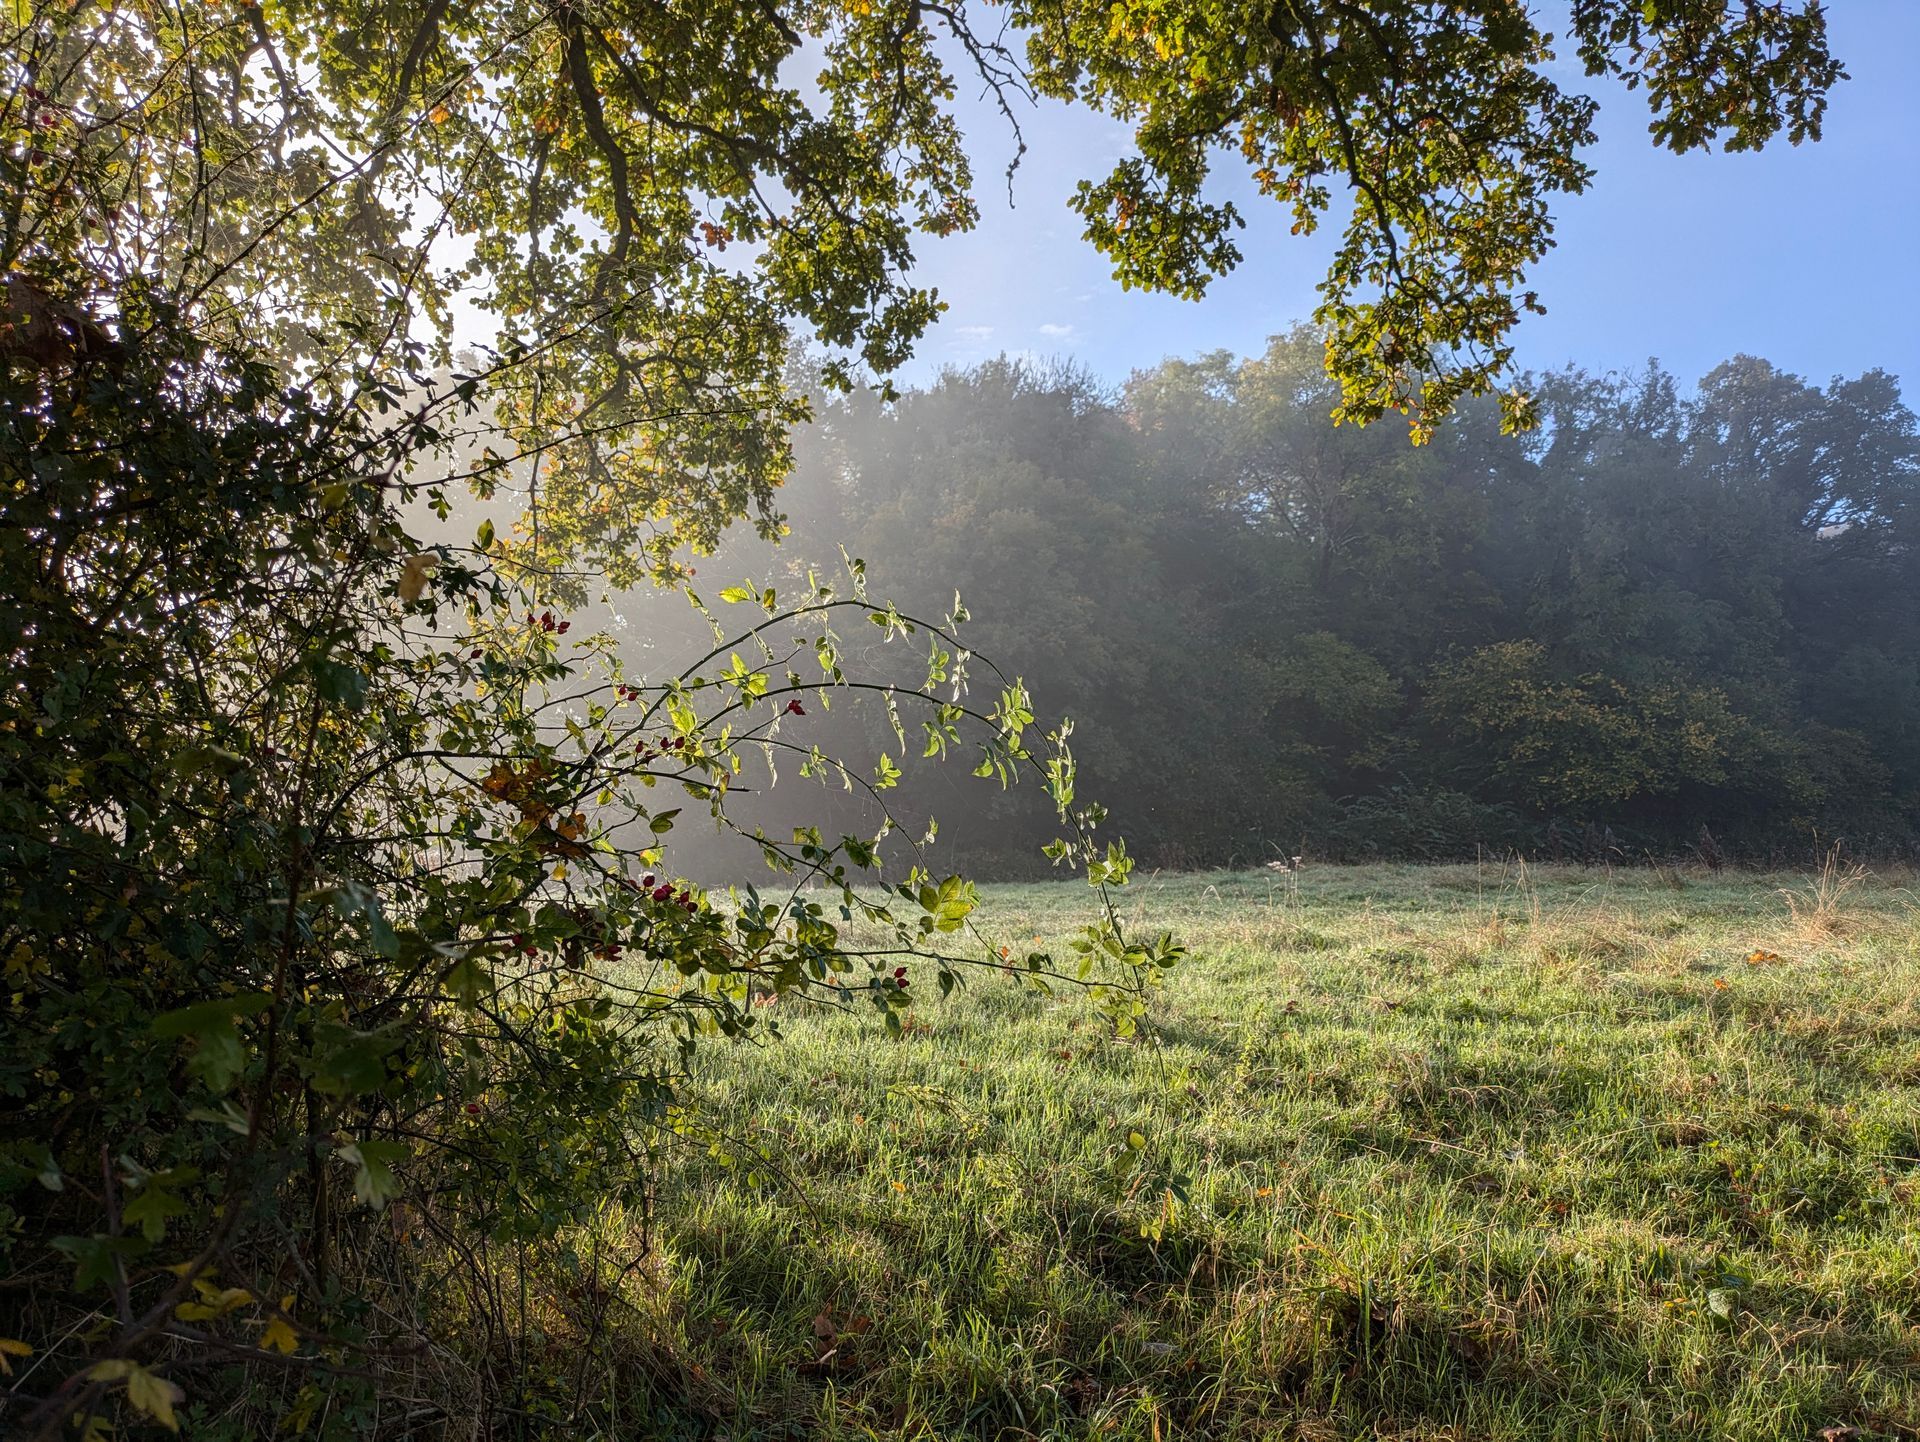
(1802, 255)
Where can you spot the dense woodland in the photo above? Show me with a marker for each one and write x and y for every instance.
(1666, 623)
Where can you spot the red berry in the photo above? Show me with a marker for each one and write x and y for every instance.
(473, 1109)
(648, 881)
(794, 708)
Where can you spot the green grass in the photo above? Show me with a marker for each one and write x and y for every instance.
(1471, 1154)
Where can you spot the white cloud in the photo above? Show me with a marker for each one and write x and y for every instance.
(1053, 331)
(974, 332)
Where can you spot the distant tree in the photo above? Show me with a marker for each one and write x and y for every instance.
(1646, 617)
(1578, 746)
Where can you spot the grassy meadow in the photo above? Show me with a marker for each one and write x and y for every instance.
(1465, 1153)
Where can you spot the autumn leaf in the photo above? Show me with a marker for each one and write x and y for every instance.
(146, 1392)
(414, 573)
(516, 788)
(277, 1335)
(154, 1396)
(214, 1302)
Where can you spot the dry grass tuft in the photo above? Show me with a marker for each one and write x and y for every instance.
(1820, 909)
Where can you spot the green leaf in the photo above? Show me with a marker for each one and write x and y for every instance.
(190, 1020)
(347, 1062)
(353, 898)
(218, 1055)
(374, 1181)
(96, 1258)
(468, 981)
(151, 1208)
(343, 684)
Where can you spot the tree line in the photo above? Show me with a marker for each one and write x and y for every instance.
(1667, 622)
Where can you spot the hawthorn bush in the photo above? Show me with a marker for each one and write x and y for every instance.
(347, 977)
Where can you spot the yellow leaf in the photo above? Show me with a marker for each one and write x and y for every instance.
(300, 1416)
(154, 1396)
(214, 1302)
(278, 1336)
(10, 1348)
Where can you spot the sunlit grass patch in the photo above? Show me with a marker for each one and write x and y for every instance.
(1418, 1152)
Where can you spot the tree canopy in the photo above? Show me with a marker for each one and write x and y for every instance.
(648, 202)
